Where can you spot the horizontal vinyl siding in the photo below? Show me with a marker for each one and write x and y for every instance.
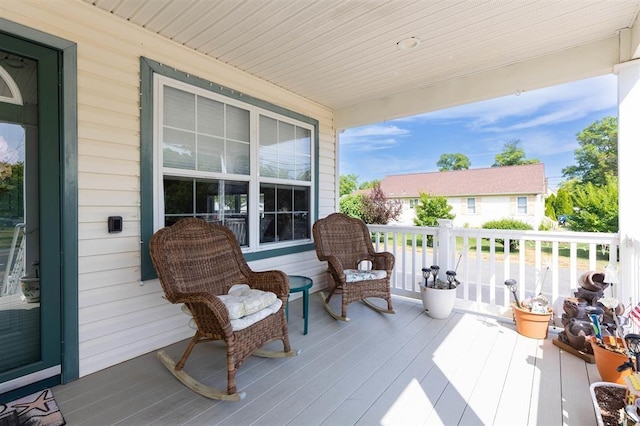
(119, 316)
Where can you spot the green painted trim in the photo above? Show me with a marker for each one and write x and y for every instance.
(266, 254)
(147, 68)
(68, 192)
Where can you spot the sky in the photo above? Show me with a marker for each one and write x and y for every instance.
(546, 121)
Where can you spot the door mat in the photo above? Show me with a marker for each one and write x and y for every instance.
(38, 409)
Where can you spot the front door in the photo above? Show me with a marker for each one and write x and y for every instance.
(30, 286)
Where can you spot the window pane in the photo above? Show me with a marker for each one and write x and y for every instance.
(237, 158)
(268, 147)
(178, 149)
(300, 226)
(286, 213)
(179, 109)
(178, 199)
(207, 200)
(237, 124)
(210, 117)
(210, 154)
(303, 168)
(303, 141)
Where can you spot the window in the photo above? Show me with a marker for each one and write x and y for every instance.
(522, 205)
(413, 203)
(471, 206)
(222, 156)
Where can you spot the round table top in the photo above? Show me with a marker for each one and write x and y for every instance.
(299, 283)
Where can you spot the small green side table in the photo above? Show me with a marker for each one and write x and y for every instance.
(298, 283)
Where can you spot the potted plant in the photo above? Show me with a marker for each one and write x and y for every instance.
(533, 315)
(438, 296)
(612, 355)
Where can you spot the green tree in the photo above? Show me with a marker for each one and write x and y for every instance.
(563, 205)
(597, 207)
(430, 209)
(512, 155)
(597, 157)
(12, 190)
(348, 184)
(369, 184)
(455, 161)
(377, 209)
(351, 205)
(549, 209)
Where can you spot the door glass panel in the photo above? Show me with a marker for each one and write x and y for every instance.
(19, 223)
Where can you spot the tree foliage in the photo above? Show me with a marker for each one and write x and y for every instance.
(455, 161)
(377, 209)
(369, 184)
(430, 209)
(11, 190)
(351, 205)
(348, 184)
(597, 207)
(549, 207)
(512, 155)
(597, 157)
(563, 205)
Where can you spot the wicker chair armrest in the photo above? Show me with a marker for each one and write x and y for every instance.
(383, 261)
(274, 281)
(212, 303)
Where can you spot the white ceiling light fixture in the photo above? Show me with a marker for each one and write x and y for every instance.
(408, 43)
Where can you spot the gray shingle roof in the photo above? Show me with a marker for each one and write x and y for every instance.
(525, 179)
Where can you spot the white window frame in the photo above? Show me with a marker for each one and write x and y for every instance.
(254, 179)
(471, 209)
(522, 209)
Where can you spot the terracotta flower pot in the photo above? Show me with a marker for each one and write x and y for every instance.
(608, 361)
(531, 324)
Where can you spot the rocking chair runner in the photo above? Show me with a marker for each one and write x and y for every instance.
(345, 242)
(196, 262)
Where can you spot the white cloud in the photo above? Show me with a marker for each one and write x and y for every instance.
(7, 154)
(372, 138)
(556, 104)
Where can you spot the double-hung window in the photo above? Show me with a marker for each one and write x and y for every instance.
(233, 163)
(471, 206)
(522, 205)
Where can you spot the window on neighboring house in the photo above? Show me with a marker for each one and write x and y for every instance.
(471, 206)
(522, 205)
(413, 203)
(229, 159)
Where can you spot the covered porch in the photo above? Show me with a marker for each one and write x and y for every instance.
(376, 369)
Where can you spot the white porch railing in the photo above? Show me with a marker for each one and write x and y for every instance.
(546, 261)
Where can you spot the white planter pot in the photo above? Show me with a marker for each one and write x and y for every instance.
(438, 302)
(596, 406)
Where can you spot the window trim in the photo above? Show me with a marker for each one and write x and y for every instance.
(526, 205)
(148, 68)
(474, 205)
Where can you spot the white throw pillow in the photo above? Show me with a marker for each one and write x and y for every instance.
(243, 300)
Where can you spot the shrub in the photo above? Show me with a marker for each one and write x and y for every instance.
(507, 224)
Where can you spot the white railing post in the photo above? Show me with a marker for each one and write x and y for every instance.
(446, 247)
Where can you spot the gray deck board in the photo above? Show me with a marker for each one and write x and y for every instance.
(401, 369)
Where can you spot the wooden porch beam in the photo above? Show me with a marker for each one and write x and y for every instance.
(589, 60)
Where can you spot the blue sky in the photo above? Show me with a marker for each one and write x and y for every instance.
(546, 121)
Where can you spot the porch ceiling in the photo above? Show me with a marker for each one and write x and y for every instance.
(342, 54)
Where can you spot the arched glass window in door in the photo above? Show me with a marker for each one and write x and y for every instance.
(9, 90)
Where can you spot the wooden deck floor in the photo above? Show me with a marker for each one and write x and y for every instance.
(401, 369)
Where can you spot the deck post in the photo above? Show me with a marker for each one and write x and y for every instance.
(628, 292)
(446, 245)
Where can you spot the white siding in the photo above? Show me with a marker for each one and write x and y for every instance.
(120, 317)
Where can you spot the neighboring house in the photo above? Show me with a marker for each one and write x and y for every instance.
(475, 195)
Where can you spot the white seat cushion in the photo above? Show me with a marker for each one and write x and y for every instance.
(356, 275)
(242, 300)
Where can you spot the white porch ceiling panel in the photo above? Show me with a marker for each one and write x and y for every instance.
(342, 53)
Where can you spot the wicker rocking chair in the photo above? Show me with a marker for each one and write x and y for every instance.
(345, 243)
(196, 263)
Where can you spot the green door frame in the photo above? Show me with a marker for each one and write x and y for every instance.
(65, 198)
